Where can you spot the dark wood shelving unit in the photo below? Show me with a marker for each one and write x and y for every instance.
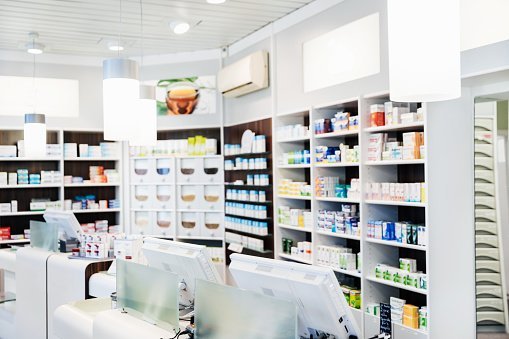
(233, 135)
(78, 167)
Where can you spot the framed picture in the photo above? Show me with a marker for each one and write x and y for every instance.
(184, 96)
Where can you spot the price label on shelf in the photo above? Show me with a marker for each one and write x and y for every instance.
(385, 318)
(235, 248)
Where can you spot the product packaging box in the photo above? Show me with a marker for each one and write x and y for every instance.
(5, 233)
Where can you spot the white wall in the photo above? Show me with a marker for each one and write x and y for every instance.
(290, 88)
(90, 96)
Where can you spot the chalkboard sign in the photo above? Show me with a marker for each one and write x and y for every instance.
(385, 319)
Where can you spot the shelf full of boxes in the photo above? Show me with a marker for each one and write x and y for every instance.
(32, 185)
(176, 190)
(394, 213)
(92, 182)
(336, 203)
(28, 185)
(248, 200)
(344, 217)
(292, 176)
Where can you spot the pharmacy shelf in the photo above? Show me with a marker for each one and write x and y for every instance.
(343, 200)
(30, 159)
(250, 202)
(395, 162)
(241, 155)
(339, 235)
(248, 170)
(339, 164)
(15, 241)
(155, 184)
(396, 244)
(246, 217)
(400, 286)
(250, 249)
(295, 258)
(173, 156)
(247, 186)
(219, 210)
(339, 270)
(400, 127)
(199, 238)
(30, 186)
(256, 235)
(337, 134)
(294, 166)
(14, 214)
(93, 185)
(396, 203)
(295, 228)
(93, 159)
(296, 197)
(105, 210)
(296, 139)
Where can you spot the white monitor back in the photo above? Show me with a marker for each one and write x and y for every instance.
(68, 225)
(188, 261)
(315, 290)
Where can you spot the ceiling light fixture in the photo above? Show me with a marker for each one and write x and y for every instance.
(179, 27)
(121, 92)
(115, 46)
(215, 2)
(431, 70)
(34, 47)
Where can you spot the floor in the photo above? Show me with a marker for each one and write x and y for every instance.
(492, 336)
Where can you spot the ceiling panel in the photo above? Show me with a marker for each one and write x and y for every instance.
(84, 27)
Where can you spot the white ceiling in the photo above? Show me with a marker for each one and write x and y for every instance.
(83, 27)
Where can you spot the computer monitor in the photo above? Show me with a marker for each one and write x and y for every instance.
(188, 261)
(68, 225)
(321, 306)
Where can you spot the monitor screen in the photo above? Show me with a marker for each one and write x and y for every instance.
(321, 306)
(68, 225)
(188, 261)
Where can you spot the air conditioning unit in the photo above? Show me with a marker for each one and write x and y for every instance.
(247, 75)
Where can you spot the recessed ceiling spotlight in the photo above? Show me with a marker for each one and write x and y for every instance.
(179, 27)
(115, 46)
(215, 2)
(34, 47)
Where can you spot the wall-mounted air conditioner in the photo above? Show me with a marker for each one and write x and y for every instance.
(245, 76)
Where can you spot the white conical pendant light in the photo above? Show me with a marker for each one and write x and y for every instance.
(34, 129)
(424, 50)
(34, 135)
(121, 91)
(145, 133)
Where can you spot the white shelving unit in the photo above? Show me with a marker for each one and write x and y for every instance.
(372, 251)
(173, 197)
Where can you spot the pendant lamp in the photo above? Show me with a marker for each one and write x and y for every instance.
(121, 92)
(35, 135)
(424, 50)
(146, 133)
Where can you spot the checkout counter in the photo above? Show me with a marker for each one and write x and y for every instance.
(42, 281)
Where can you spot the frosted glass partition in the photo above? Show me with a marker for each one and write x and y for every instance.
(148, 293)
(228, 312)
(44, 235)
